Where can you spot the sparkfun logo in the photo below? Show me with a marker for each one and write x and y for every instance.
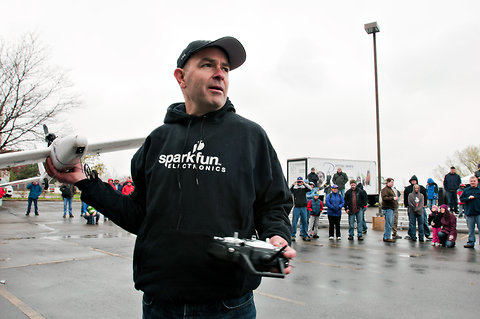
(194, 159)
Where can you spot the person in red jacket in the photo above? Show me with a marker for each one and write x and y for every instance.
(110, 182)
(315, 207)
(461, 205)
(128, 187)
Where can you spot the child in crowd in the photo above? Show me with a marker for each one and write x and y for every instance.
(315, 207)
(435, 220)
(91, 215)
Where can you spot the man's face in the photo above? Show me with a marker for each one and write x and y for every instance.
(452, 171)
(416, 188)
(473, 181)
(339, 170)
(35, 183)
(205, 81)
(353, 186)
(414, 181)
(334, 190)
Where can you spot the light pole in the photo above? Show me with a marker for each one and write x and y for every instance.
(373, 28)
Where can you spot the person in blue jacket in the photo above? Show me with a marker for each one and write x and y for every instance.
(35, 191)
(334, 202)
(432, 193)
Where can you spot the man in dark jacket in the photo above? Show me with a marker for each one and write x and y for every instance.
(471, 198)
(340, 179)
(409, 189)
(299, 190)
(389, 203)
(201, 174)
(355, 201)
(68, 190)
(313, 177)
(451, 183)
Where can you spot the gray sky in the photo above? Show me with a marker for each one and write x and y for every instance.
(308, 78)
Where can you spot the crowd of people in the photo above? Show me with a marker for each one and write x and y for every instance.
(461, 201)
(68, 191)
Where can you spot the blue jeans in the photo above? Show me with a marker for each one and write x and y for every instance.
(442, 237)
(389, 215)
(67, 201)
(363, 210)
(431, 202)
(237, 308)
(302, 213)
(35, 204)
(426, 229)
(341, 191)
(351, 223)
(413, 220)
(471, 222)
(452, 200)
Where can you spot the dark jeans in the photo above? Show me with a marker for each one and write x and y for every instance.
(413, 220)
(442, 237)
(452, 201)
(237, 308)
(334, 223)
(35, 204)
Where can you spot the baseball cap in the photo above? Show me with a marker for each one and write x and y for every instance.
(334, 186)
(300, 178)
(232, 47)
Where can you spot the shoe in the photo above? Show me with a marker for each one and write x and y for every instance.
(434, 244)
(36, 214)
(421, 240)
(350, 237)
(293, 238)
(364, 231)
(407, 237)
(63, 216)
(306, 238)
(315, 236)
(468, 246)
(397, 237)
(389, 240)
(331, 238)
(27, 214)
(360, 238)
(71, 216)
(429, 237)
(339, 238)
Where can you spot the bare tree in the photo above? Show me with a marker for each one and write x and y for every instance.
(32, 93)
(465, 162)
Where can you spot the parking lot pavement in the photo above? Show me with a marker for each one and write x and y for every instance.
(52, 267)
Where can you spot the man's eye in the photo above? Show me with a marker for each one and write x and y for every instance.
(206, 65)
(226, 69)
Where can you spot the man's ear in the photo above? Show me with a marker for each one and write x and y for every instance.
(179, 75)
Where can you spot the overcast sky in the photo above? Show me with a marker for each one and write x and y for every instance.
(308, 78)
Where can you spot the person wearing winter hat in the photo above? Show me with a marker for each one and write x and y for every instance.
(299, 191)
(435, 220)
(448, 234)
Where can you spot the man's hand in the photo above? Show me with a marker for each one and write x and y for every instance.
(289, 253)
(71, 177)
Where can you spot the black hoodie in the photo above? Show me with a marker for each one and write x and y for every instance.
(195, 178)
(409, 189)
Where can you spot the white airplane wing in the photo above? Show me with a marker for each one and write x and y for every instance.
(113, 146)
(14, 159)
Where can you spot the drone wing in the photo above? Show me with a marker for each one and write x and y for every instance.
(14, 159)
(113, 146)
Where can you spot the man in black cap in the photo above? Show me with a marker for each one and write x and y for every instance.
(200, 175)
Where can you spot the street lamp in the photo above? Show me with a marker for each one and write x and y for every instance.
(373, 28)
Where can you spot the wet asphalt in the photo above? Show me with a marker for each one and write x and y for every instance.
(52, 267)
